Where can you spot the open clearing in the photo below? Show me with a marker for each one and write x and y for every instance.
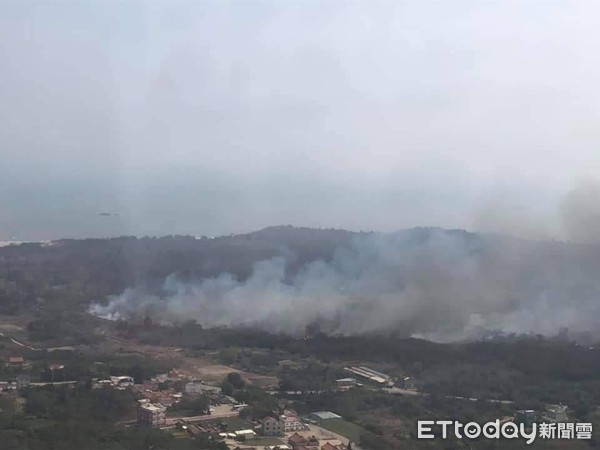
(191, 366)
(344, 428)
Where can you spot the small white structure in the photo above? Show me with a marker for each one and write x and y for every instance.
(345, 383)
(242, 435)
(122, 381)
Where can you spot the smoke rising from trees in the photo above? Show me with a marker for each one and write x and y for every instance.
(443, 285)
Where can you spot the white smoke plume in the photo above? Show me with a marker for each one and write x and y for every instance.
(432, 283)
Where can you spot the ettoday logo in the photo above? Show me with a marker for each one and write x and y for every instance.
(432, 429)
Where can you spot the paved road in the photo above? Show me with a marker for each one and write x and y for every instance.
(398, 391)
(55, 383)
(14, 341)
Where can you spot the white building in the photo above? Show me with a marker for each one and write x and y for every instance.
(292, 422)
(122, 381)
(242, 435)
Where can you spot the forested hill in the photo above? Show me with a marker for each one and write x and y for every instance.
(90, 269)
(94, 268)
(454, 272)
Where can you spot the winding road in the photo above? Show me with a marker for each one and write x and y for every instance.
(14, 341)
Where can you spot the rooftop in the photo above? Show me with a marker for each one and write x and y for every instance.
(324, 415)
(152, 407)
(245, 432)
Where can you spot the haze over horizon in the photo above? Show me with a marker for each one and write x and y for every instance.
(210, 118)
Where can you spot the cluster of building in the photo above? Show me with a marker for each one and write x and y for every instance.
(298, 442)
(168, 389)
(277, 425)
(214, 432)
(552, 414)
(268, 447)
(118, 382)
(289, 422)
(150, 391)
(23, 379)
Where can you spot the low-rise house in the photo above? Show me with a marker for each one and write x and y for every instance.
(300, 442)
(271, 426)
(407, 383)
(313, 443)
(556, 413)
(122, 381)
(102, 383)
(291, 422)
(23, 380)
(196, 430)
(336, 446)
(16, 361)
(329, 446)
(343, 384)
(55, 371)
(297, 441)
(242, 435)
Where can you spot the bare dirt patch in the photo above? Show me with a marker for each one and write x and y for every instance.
(192, 366)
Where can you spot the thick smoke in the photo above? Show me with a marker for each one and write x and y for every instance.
(432, 283)
(580, 212)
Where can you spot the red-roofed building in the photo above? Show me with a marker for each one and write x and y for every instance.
(292, 422)
(297, 441)
(15, 361)
(330, 446)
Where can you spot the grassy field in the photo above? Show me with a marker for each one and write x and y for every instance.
(347, 429)
(263, 441)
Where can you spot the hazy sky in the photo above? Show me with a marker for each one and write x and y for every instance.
(220, 117)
